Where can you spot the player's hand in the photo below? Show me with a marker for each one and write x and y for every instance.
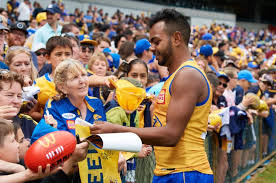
(103, 127)
(49, 119)
(8, 112)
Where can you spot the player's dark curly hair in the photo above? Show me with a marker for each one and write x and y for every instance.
(174, 21)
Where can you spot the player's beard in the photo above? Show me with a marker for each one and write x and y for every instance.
(165, 54)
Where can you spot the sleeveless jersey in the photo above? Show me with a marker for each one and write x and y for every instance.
(189, 153)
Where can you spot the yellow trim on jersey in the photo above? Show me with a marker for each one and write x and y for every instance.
(189, 153)
(27, 117)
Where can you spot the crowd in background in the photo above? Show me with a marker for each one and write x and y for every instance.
(70, 56)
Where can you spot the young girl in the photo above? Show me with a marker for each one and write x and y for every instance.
(138, 70)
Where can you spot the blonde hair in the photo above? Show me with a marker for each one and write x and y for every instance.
(95, 57)
(68, 66)
(15, 50)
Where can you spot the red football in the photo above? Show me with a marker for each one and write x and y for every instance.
(53, 148)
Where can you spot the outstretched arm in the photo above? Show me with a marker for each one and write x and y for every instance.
(187, 89)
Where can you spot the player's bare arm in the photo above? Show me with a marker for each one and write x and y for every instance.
(187, 89)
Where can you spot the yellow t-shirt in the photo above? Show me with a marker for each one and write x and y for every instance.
(47, 90)
(189, 154)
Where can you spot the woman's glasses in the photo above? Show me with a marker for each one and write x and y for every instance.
(40, 53)
(223, 84)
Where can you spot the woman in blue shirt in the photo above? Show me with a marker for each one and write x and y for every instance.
(71, 82)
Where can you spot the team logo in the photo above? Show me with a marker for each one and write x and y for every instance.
(96, 117)
(70, 124)
(47, 141)
(68, 115)
(156, 122)
(161, 97)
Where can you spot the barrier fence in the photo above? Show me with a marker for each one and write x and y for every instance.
(235, 166)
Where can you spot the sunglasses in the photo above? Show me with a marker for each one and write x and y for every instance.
(40, 53)
(91, 48)
(223, 84)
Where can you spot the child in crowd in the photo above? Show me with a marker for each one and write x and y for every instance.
(9, 157)
(58, 49)
(122, 116)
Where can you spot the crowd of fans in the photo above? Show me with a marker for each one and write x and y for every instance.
(69, 59)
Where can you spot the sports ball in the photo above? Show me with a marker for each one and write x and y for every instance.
(52, 148)
(215, 120)
(263, 106)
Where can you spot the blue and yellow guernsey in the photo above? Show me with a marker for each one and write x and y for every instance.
(189, 154)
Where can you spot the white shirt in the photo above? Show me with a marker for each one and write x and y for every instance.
(24, 12)
(230, 97)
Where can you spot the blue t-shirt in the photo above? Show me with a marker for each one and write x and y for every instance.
(66, 113)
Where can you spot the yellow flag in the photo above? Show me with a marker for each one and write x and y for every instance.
(100, 166)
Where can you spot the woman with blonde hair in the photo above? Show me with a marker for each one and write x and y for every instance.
(19, 60)
(71, 83)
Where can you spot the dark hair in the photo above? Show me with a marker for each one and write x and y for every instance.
(103, 38)
(136, 61)
(126, 49)
(68, 27)
(212, 77)
(140, 36)
(56, 41)
(118, 38)
(74, 38)
(126, 67)
(174, 21)
(128, 32)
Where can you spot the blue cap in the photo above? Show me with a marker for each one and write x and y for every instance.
(87, 39)
(53, 8)
(247, 75)
(141, 45)
(41, 129)
(206, 50)
(116, 59)
(252, 65)
(106, 50)
(223, 75)
(156, 88)
(207, 37)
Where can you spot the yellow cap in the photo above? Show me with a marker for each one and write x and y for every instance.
(129, 96)
(41, 16)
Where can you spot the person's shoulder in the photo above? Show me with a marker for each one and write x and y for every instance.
(253, 89)
(191, 76)
(64, 102)
(94, 101)
(27, 118)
